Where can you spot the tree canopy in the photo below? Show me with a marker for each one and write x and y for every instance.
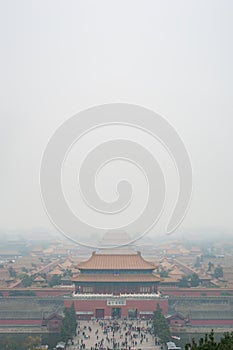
(161, 326)
(209, 343)
(55, 281)
(69, 324)
(218, 272)
(189, 281)
(32, 342)
(27, 281)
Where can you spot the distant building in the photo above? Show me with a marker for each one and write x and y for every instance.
(54, 322)
(32, 312)
(176, 320)
(211, 318)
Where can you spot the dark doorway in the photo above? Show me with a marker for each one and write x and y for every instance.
(132, 313)
(116, 312)
(99, 313)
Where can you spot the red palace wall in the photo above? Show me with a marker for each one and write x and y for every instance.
(140, 305)
(191, 292)
(53, 292)
(20, 322)
(211, 322)
(40, 292)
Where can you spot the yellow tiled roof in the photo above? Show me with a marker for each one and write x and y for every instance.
(116, 278)
(116, 262)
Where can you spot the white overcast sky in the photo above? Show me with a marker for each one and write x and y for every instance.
(60, 57)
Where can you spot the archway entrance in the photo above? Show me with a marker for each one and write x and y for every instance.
(132, 314)
(99, 313)
(116, 312)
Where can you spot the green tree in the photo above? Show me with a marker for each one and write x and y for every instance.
(43, 275)
(73, 319)
(163, 273)
(27, 281)
(68, 273)
(32, 343)
(160, 325)
(183, 283)
(24, 269)
(194, 280)
(69, 324)
(55, 280)
(218, 272)
(12, 272)
(210, 266)
(209, 343)
(11, 343)
(68, 328)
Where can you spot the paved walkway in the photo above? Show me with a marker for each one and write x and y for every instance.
(109, 335)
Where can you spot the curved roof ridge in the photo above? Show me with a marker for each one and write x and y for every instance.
(133, 261)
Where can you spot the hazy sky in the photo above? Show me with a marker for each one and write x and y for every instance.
(60, 57)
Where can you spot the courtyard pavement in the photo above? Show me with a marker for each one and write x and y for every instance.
(102, 335)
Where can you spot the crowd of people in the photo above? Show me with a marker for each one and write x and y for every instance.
(114, 334)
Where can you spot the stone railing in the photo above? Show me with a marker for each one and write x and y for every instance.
(132, 296)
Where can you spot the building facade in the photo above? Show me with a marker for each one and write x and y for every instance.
(117, 286)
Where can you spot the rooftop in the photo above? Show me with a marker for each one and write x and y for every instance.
(116, 278)
(211, 315)
(116, 262)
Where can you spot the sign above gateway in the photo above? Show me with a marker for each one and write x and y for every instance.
(116, 302)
